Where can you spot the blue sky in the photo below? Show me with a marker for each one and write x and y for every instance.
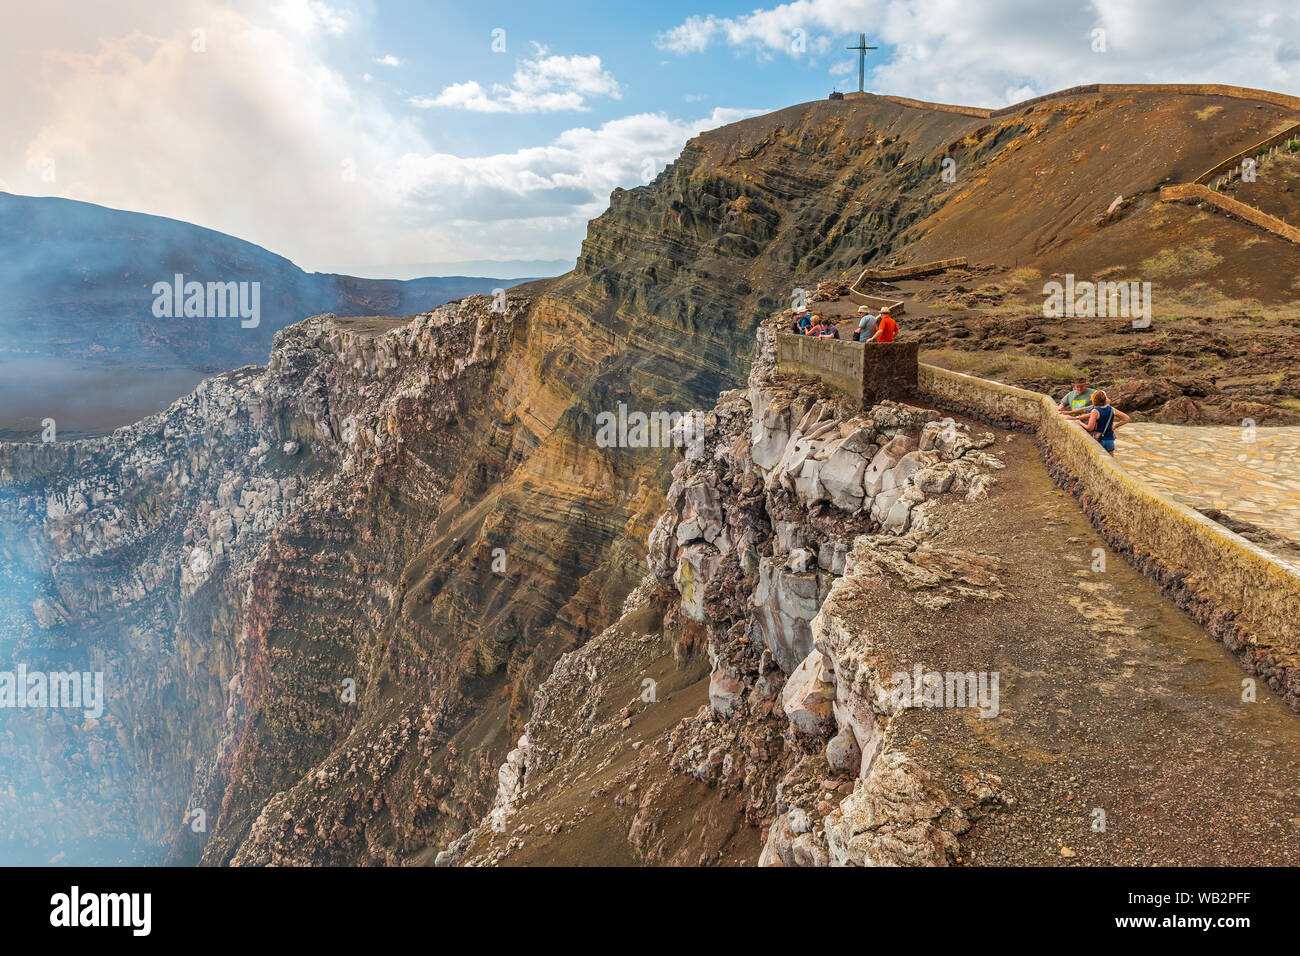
(375, 137)
(455, 45)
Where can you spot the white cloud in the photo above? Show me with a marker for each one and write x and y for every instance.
(311, 16)
(261, 137)
(991, 53)
(551, 188)
(388, 60)
(543, 84)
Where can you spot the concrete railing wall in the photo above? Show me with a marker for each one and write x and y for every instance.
(866, 372)
(909, 272)
(1195, 192)
(1187, 89)
(1241, 593)
(833, 361)
(1234, 162)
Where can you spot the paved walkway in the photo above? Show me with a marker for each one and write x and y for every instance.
(1251, 477)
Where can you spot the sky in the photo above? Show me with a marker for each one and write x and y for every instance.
(365, 137)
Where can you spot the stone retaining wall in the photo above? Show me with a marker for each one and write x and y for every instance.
(1238, 591)
(910, 272)
(1186, 89)
(866, 372)
(1233, 162)
(1195, 192)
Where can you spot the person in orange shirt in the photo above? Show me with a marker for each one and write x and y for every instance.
(886, 330)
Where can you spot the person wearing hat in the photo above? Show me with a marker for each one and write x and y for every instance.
(886, 329)
(866, 325)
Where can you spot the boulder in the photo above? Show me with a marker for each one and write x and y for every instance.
(843, 753)
(791, 464)
(908, 465)
(661, 546)
(832, 555)
(889, 455)
(881, 504)
(770, 432)
(696, 564)
(934, 480)
(1142, 394)
(702, 515)
(807, 488)
(842, 474)
(726, 691)
(898, 516)
(786, 602)
(808, 697)
(800, 559)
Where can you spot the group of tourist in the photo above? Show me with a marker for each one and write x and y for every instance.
(1091, 409)
(809, 323)
(871, 327)
(1094, 412)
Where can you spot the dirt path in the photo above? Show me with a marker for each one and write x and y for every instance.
(1111, 700)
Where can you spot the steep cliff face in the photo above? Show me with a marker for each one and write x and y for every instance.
(325, 593)
(157, 555)
(234, 587)
(788, 490)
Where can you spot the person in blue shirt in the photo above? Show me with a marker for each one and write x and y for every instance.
(867, 322)
(802, 324)
(1103, 418)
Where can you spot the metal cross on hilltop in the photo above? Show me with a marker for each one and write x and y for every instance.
(862, 49)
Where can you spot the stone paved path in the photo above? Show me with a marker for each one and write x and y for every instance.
(1252, 477)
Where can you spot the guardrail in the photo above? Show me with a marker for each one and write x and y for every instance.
(1188, 89)
(1234, 162)
(1195, 192)
(866, 372)
(1242, 594)
(909, 272)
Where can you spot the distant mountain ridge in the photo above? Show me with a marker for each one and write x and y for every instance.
(76, 303)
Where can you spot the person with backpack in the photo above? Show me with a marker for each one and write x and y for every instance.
(802, 324)
(866, 325)
(1102, 421)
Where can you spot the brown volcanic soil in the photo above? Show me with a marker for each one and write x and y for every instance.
(613, 800)
(1276, 189)
(1029, 206)
(1205, 359)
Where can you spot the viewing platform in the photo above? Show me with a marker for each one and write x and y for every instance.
(865, 371)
